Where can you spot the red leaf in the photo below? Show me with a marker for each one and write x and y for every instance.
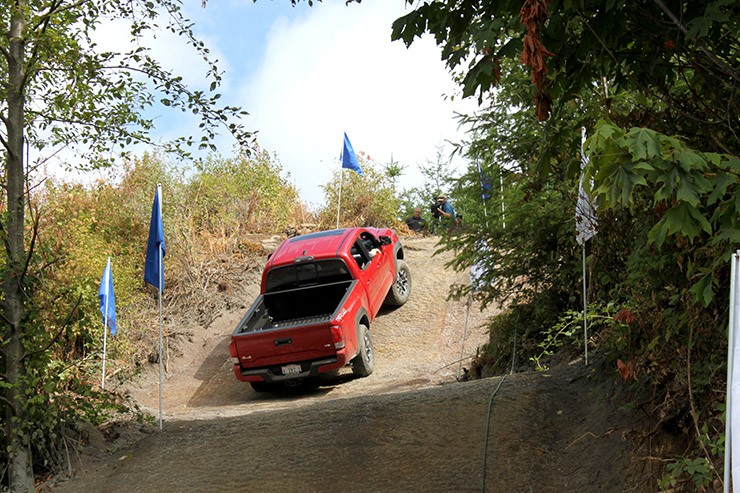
(627, 370)
(624, 316)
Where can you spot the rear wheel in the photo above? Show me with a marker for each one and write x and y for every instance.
(364, 363)
(261, 386)
(401, 289)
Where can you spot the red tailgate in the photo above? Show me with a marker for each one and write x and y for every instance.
(275, 347)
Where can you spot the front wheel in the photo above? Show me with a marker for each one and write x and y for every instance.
(401, 289)
(364, 363)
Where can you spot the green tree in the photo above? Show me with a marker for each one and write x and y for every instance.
(680, 57)
(229, 197)
(668, 69)
(655, 83)
(368, 200)
(57, 90)
(393, 170)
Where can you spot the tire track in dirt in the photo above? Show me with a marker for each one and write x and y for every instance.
(408, 427)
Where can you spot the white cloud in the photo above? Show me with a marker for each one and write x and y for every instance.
(175, 55)
(308, 74)
(336, 70)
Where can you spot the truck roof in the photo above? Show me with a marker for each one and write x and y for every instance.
(322, 244)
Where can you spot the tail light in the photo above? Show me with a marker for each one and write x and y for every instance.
(337, 337)
(232, 353)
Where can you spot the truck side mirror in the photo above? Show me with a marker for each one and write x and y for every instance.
(385, 240)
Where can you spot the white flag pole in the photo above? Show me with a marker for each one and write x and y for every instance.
(483, 191)
(585, 305)
(160, 331)
(105, 334)
(105, 322)
(339, 201)
(161, 282)
(503, 205)
(732, 417)
(485, 210)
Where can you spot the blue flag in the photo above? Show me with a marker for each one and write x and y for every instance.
(349, 159)
(152, 273)
(107, 298)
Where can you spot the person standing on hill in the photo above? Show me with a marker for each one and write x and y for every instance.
(446, 211)
(415, 222)
(458, 227)
(443, 214)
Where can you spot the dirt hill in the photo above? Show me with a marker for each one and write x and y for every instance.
(410, 426)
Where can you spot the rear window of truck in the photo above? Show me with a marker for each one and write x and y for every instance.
(306, 274)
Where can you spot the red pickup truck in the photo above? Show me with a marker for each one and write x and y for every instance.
(319, 295)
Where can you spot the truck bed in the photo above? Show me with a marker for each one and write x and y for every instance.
(293, 307)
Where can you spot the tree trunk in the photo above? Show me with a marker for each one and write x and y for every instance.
(20, 467)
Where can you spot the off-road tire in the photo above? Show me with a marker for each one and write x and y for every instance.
(364, 363)
(400, 291)
(262, 386)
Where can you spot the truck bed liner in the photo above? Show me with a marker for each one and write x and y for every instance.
(300, 321)
(296, 307)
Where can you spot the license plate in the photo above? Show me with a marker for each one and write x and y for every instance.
(291, 369)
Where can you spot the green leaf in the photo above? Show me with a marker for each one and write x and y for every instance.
(643, 144)
(700, 220)
(677, 219)
(703, 290)
(657, 234)
(408, 27)
(687, 192)
(682, 219)
(481, 75)
(510, 49)
(689, 159)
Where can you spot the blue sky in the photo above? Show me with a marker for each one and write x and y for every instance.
(308, 74)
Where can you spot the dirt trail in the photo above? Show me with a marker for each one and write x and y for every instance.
(408, 427)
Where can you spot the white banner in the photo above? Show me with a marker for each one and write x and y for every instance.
(586, 222)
